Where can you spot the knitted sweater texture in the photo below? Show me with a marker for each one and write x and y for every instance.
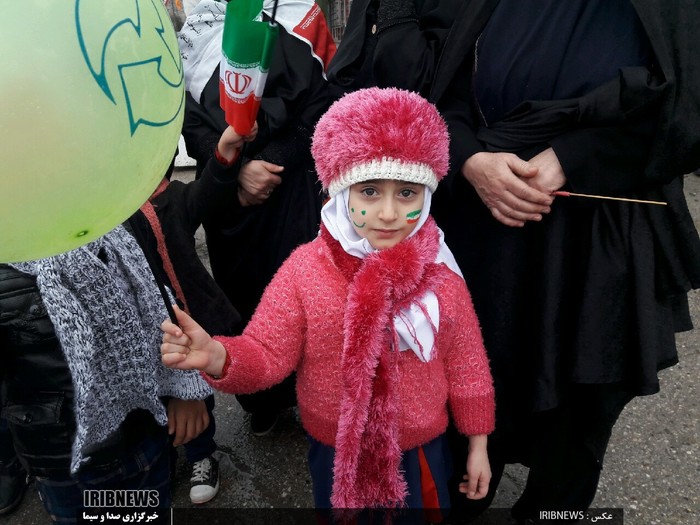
(299, 326)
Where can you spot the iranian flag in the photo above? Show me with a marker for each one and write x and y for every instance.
(247, 47)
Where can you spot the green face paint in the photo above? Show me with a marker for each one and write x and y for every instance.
(413, 217)
(358, 225)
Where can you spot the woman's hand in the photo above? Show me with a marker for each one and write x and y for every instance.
(500, 181)
(189, 346)
(257, 181)
(550, 175)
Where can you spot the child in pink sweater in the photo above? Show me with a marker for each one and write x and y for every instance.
(373, 315)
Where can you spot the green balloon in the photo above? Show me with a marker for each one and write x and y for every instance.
(91, 109)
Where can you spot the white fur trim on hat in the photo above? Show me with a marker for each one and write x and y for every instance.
(385, 168)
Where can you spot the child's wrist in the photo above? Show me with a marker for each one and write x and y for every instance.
(226, 159)
(478, 442)
(219, 362)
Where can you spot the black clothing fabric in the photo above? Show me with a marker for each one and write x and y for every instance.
(549, 58)
(589, 295)
(248, 244)
(564, 449)
(671, 28)
(578, 311)
(393, 44)
(36, 383)
(569, 448)
(37, 389)
(350, 70)
(180, 209)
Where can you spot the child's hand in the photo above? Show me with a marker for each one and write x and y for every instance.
(189, 346)
(478, 477)
(230, 141)
(186, 419)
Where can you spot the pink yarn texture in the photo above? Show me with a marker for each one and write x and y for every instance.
(373, 124)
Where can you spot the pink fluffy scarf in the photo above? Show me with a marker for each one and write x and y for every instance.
(366, 470)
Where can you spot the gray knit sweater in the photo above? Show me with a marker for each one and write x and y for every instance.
(106, 310)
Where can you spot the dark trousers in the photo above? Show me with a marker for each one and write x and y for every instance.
(563, 447)
(7, 449)
(144, 467)
(203, 445)
(271, 400)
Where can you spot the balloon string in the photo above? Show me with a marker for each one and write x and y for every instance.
(274, 12)
(138, 233)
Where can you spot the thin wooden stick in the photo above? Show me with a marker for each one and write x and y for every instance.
(569, 194)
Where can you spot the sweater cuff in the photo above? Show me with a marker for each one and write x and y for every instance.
(475, 415)
(222, 172)
(223, 160)
(214, 380)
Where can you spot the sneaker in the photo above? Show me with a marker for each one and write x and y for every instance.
(13, 483)
(204, 483)
(262, 423)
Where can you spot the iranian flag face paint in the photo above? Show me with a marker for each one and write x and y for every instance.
(413, 217)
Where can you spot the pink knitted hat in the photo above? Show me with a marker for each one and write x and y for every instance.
(380, 134)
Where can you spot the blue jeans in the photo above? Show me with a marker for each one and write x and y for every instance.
(145, 467)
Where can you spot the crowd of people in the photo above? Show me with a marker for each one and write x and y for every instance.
(389, 254)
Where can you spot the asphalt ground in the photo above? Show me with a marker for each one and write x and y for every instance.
(651, 471)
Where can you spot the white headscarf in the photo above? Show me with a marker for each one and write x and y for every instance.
(416, 331)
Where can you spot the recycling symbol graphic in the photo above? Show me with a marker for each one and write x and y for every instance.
(132, 53)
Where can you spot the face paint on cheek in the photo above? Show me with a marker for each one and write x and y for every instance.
(352, 210)
(412, 218)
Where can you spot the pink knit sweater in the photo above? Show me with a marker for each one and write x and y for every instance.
(298, 325)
